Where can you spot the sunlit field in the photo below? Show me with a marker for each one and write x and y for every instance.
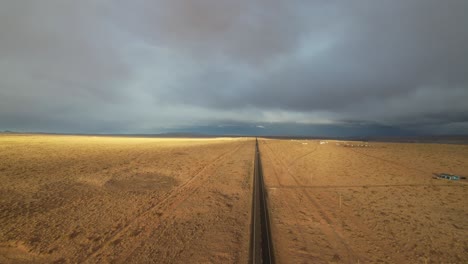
(360, 202)
(124, 199)
(101, 199)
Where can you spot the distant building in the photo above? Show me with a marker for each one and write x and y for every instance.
(449, 176)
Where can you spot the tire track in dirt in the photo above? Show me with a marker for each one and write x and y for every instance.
(168, 202)
(291, 211)
(302, 156)
(180, 199)
(162, 231)
(275, 172)
(330, 229)
(395, 163)
(281, 163)
(389, 161)
(301, 230)
(361, 186)
(289, 208)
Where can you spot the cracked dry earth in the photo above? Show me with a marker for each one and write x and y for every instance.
(76, 199)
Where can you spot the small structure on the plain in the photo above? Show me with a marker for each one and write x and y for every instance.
(356, 145)
(448, 176)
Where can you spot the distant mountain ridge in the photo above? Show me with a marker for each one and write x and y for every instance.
(441, 139)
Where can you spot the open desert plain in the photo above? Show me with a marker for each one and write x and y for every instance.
(75, 199)
(343, 202)
(84, 199)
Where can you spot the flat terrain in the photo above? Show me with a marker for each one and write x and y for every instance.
(143, 200)
(334, 203)
(124, 200)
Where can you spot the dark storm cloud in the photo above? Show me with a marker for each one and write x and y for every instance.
(243, 30)
(62, 45)
(375, 52)
(146, 66)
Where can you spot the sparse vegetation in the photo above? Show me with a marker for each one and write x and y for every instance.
(110, 199)
(102, 199)
(392, 210)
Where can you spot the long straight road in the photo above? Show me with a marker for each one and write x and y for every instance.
(261, 243)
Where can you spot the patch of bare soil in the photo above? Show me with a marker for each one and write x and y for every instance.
(141, 183)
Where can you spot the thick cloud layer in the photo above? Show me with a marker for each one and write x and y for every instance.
(151, 66)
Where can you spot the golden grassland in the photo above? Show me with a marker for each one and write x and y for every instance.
(377, 204)
(102, 199)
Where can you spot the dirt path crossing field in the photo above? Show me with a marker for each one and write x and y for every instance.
(336, 204)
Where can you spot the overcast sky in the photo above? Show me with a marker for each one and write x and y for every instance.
(102, 66)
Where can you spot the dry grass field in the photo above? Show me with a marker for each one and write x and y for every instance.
(376, 204)
(74, 199)
(124, 200)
